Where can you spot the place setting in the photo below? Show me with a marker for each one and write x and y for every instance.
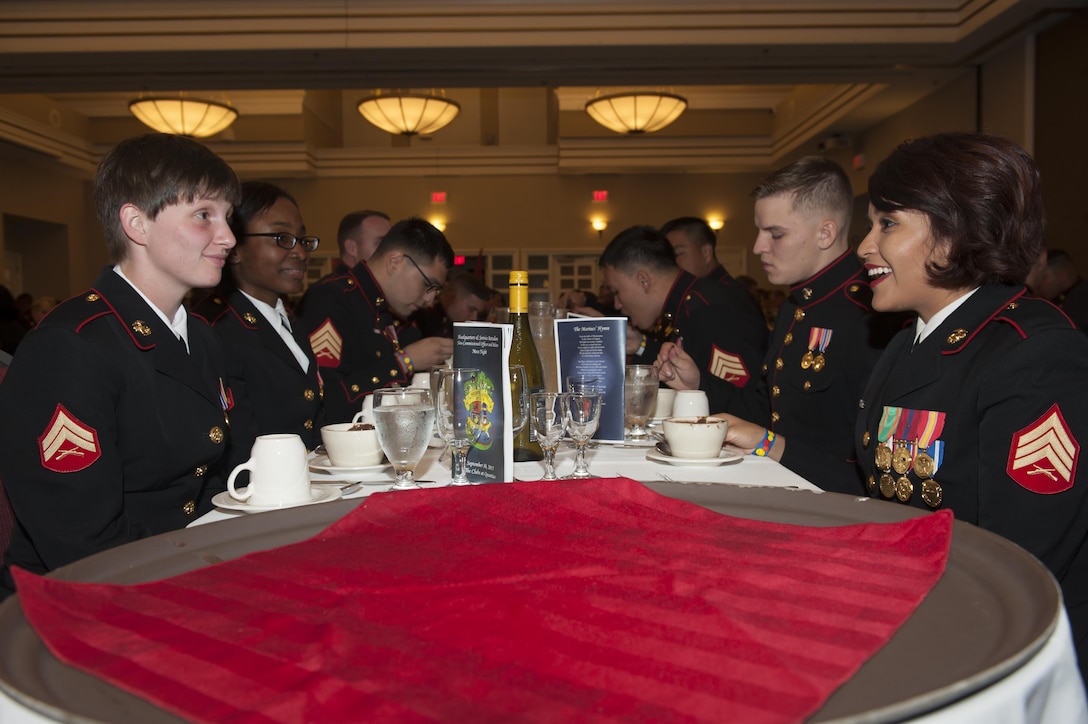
(693, 441)
(278, 478)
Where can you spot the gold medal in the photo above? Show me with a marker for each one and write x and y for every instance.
(901, 459)
(887, 486)
(806, 360)
(884, 457)
(904, 488)
(923, 465)
(818, 363)
(932, 493)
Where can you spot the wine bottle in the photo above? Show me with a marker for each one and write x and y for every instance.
(523, 352)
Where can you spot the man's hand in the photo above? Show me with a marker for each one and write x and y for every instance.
(676, 368)
(429, 351)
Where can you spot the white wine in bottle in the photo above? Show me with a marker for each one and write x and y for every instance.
(523, 352)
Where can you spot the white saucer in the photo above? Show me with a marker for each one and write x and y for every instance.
(318, 494)
(628, 442)
(726, 456)
(323, 464)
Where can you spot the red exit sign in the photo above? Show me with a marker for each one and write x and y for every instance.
(438, 197)
(601, 195)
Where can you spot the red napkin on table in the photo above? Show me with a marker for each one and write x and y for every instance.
(585, 600)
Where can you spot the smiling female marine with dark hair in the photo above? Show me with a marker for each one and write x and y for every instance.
(980, 406)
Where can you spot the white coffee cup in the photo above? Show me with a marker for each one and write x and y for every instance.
(366, 414)
(695, 437)
(665, 398)
(277, 472)
(351, 448)
(690, 403)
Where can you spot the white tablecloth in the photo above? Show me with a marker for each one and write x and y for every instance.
(1047, 688)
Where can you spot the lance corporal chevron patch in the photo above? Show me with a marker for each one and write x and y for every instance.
(68, 445)
(1043, 456)
(728, 366)
(327, 344)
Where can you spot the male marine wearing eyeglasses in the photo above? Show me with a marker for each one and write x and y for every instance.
(354, 319)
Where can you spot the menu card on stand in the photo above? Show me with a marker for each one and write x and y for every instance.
(486, 347)
(596, 347)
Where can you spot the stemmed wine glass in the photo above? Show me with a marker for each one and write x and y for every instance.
(453, 397)
(519, 398)
(549, 421)
(639, 399)
(404, 420)
(581, 414)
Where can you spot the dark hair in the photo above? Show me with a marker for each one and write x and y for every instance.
(418, 239)
(639, 246)
(257, 197)
(351, 223)
(696, 229)
(152, 172)
(982, 198)
(816, 184)
(468, 283)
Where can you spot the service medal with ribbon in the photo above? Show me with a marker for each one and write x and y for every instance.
(887, 485)
(889, 420)
(818, 340)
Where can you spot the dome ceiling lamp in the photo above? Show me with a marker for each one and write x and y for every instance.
(636, 112)
(409, 114)
(183, 116)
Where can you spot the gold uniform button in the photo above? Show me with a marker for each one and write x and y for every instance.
(807, 385)
(394, 373)
(378, 353)
(788, 338)
(775, 417)
(216, 434)
(779, 364)
(380, 300)
(1012, 305)
(355, 388)
(350, 282)
(865, 439)
(776, 391)
(309, 395)
(309, 424)
(374, 380)
(189, 508)
(321, 392)
(764, 369)
(872, 483)
(200, 471)
(92, 297)
(799, 315)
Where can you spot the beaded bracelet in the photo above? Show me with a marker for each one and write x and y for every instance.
(641, 346)
(406, 362)
(765, 445)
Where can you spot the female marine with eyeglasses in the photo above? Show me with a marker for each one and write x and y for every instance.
(273, 375)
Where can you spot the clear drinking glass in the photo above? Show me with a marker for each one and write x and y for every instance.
(519, 398)
(581, 414)
(582, 383)
(452, 417)
(639, 399)
(549, 421)
(403, 418)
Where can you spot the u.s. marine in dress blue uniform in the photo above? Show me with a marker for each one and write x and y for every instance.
(356, 339)
(986, 416)
(721, 332)
(109, 430)
(272, 393)
(825, 342)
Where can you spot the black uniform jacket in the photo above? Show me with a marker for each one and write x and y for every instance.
(1008, 374)
(355, 339)
(272, 393)
(109, 430)
(812, 393)
(721, 331)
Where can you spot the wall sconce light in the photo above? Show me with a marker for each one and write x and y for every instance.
(715, 223)
(439, 224)
(599, 225)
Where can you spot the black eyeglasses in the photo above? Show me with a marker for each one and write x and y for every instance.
(288, 241)
(432, 285)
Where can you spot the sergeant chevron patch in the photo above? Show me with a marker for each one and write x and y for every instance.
(68, 445)
(327, 344)
(728, 366)
(1043, 456)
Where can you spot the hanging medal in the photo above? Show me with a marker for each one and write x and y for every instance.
(819, 339)
(932, 492)
(889, 420)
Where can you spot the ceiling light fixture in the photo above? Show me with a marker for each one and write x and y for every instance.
(409, 114)
(183, 116)
(639, 112)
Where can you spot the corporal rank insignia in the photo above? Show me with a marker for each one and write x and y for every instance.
(327, 344)
(1043, 456)
(68, 445)
(729, 367)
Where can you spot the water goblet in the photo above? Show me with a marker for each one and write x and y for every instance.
(453, 398)
(549, 422)
(404, 418)
(581, 415)
(639, 399)
(583, 383)
(519, 398)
